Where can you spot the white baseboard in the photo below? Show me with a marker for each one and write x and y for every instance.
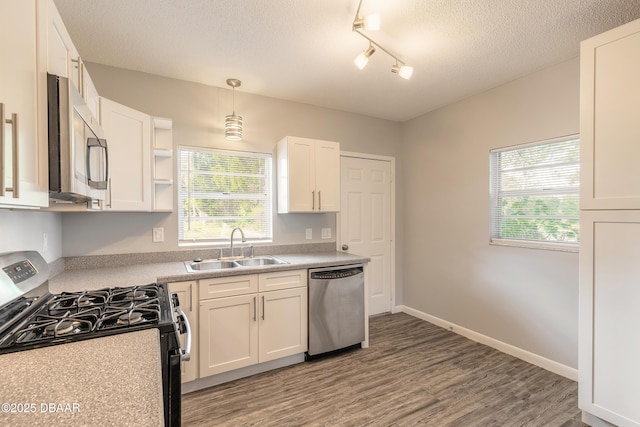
(543, 362)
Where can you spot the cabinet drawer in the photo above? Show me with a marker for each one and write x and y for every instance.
(282, 280)
(227, 286)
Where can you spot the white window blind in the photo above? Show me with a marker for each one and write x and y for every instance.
(535, 192)
(220, 190)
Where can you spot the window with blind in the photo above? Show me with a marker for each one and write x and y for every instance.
(220, 190)
(535, 198)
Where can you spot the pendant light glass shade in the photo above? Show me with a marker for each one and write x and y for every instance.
(233, 122)
(233, 127)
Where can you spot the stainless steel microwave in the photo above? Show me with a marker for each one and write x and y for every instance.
(78, 152)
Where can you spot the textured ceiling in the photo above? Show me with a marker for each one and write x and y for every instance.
(303, 50)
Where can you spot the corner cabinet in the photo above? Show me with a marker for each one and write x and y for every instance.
(188, 297)
(24, 180)
(250, 319)
(609, 303)
(308, 175)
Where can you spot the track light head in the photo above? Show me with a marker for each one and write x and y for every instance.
(369, 22)
(362, 59)
(403, 71)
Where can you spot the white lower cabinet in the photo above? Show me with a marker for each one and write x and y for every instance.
(188, 297)
(609, 379)
(283, 324)
(242, 327)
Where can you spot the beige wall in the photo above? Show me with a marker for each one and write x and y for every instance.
(524, 297)
(198, 117)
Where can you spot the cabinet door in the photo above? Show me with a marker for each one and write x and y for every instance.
(23, 143)
(188, 297)
(90, 93)
(609, 379)
(301, 164)
(283, 323)
(128, 134)
(327, 176)
(228, 334)
(609, 125)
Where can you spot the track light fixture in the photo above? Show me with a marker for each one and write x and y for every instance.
(233, 123)
(372, 22)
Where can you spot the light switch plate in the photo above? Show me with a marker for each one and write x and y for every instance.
(326, 233)
(158, 235)
(308, 234)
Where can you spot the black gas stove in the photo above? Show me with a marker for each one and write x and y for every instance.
(31, 317)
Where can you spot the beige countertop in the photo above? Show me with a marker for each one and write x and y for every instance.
(132, 275)
(67, 384)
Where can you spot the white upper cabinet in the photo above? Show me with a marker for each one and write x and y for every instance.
(128, 134)
(609, 120)
(64, 60)
(308, 175)
(23, 106)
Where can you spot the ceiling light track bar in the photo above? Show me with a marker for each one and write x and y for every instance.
(376, 44)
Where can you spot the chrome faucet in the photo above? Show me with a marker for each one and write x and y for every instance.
(231, 239)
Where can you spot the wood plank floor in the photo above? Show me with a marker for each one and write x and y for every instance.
(413, 374)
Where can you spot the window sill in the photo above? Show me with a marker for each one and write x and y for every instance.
(560, 247)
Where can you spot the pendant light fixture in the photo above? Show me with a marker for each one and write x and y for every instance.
(232, 122)
(372, 22)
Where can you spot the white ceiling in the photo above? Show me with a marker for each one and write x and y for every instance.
(303, 50)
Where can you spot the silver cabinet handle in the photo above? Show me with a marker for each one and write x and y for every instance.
(262, 307)
(255, 303)
(1, 149)
(319, 200)
(313, 200)
(16, 157)
(345, 247)
(15, 160)
(190, 298)
(185, 354)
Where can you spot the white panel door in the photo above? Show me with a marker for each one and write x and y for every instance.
(301, 174)
(283, 323)
(128, 134)
(327, 177)
(228, 334)
(365, 223)
(610, 119)
(609, 316)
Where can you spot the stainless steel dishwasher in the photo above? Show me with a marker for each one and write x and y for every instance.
(336, 308)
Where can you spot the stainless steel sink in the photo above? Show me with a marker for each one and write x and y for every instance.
(253, 262)
(217, 264)
(209, 264)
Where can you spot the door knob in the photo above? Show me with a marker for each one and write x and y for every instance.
(345, 247)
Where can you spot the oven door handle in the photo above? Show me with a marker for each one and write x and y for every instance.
(185, 354)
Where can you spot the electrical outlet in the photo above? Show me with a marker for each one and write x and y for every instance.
(326, 233)
(309, 233)
(158, 235)
(45, 242)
